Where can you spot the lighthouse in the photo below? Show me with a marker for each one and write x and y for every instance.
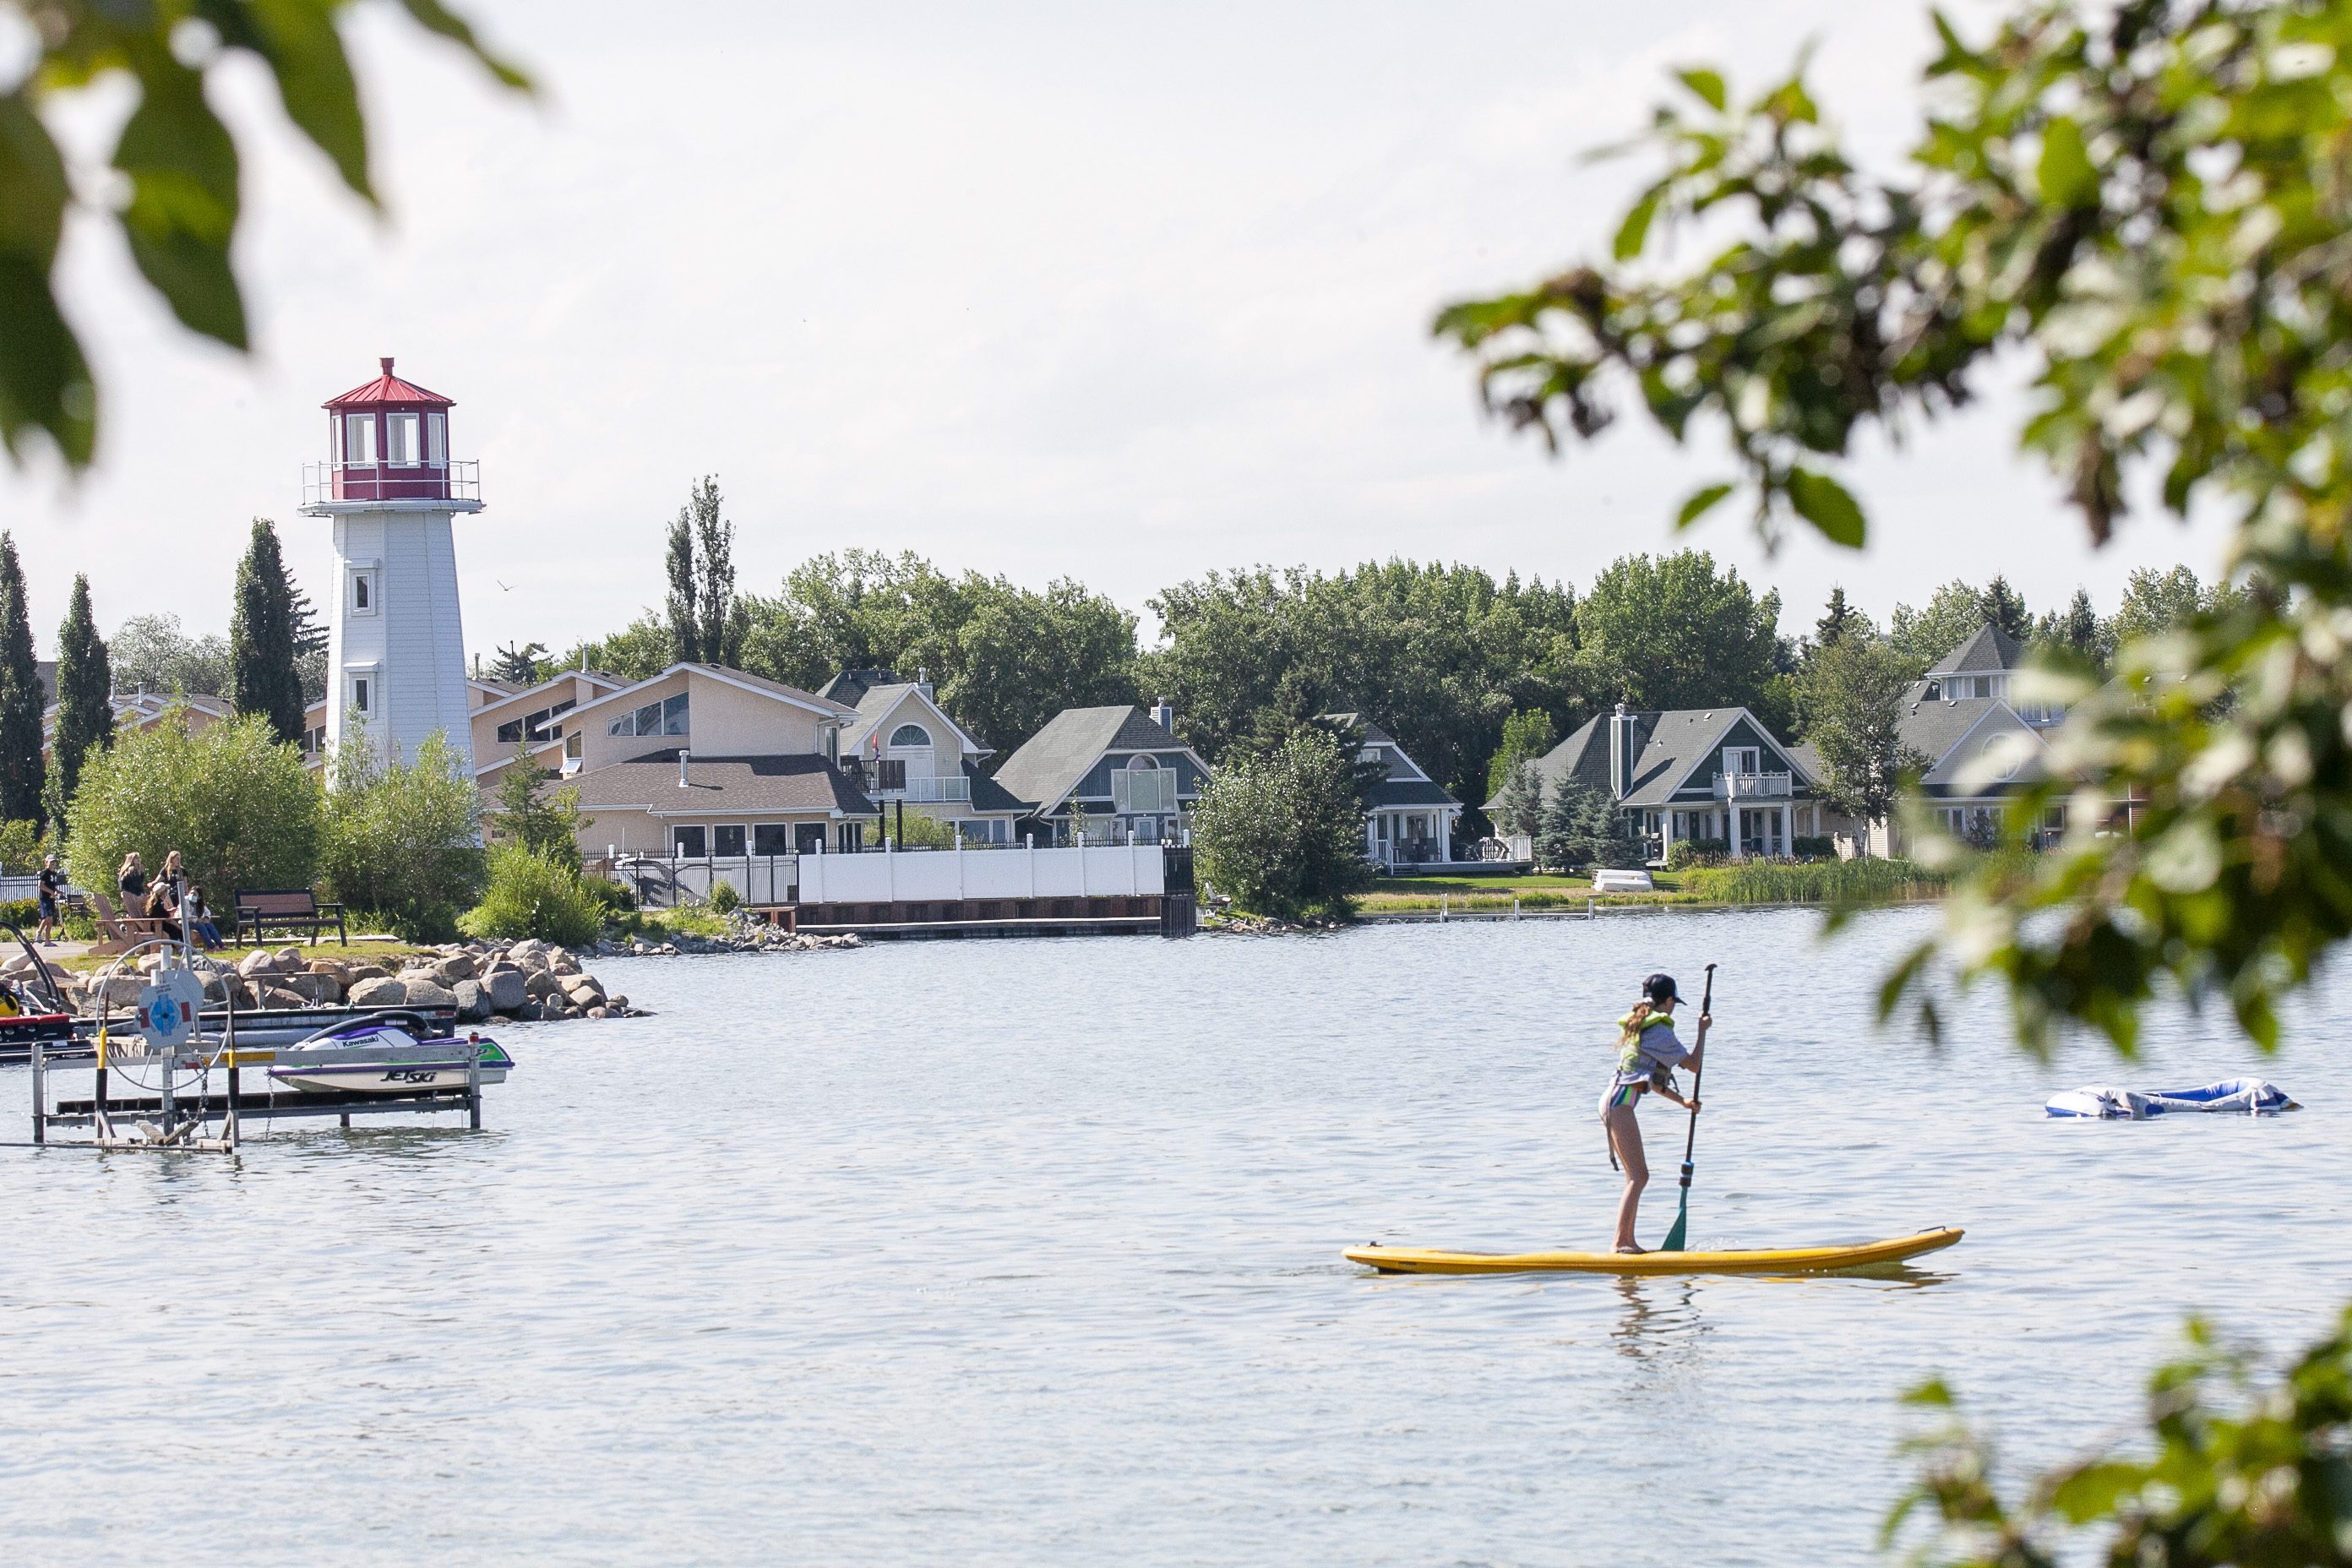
(395, 647)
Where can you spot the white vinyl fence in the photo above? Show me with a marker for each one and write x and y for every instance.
(1081, 871)
(876, 876)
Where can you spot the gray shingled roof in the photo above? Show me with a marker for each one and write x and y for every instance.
(1056, 757)
(1408, 792)
(1953, 734)
(987, 794)
(1670, 745)
(851, 686)
(797, 783)
(1989, 649)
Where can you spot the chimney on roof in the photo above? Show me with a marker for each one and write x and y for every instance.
(1163, 713)
(923, 679)
(682, 754)
(386, 362)
(1623, 751)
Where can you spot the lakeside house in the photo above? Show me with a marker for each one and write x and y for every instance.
(907, 750)
(702, 761)
(1691, 774)
(1409, 817)
(1119, 771)
(1983, 748)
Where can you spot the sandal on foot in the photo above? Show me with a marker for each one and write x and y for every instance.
(1631, 1250)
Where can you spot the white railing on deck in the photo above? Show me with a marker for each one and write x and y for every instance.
(1747, 786)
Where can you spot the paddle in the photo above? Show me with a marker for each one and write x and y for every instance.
(1673, 1242)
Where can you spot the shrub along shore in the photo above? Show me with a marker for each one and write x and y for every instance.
(1828, 883)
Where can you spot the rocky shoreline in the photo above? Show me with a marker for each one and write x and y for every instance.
(522, 982)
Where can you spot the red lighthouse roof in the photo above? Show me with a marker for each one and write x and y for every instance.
(388, 388)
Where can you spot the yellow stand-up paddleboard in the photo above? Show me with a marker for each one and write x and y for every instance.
(1756, 1260)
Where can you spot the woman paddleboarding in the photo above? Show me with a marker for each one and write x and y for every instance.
(1647, 1054)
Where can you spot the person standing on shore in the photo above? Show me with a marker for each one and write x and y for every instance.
(52, 886)
(1648, 1054)
(131, 882)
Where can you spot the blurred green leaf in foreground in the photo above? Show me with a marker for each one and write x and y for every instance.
(173, 185)
(2263, 1478)
(2148, 203)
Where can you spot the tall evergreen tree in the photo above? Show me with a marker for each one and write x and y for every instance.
(1832, 623)
(2004, 606)
(310, 645)
(262, 675)
(85, 714)
(21, 698)
(684, 626)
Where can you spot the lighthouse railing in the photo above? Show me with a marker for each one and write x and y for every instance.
(456, 478)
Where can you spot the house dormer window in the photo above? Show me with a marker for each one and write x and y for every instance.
(910, 735)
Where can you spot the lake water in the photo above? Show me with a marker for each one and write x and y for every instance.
(1019, 1252)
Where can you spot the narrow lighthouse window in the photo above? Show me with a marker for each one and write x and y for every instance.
(436, 439)
(358, 439)
(359, 592)
(359, 694)
(400, 440)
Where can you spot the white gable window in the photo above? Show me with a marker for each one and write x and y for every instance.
(910, 735)
(1143, 786)
(1743, 759)
(666, 717)
(400, 443)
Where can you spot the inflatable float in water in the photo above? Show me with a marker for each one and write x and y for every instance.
(2245, 1096)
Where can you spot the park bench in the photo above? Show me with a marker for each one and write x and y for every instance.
(287, 909)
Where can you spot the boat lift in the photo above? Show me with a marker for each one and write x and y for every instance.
(167, 1037)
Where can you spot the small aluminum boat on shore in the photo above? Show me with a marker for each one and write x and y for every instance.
(369, 1056)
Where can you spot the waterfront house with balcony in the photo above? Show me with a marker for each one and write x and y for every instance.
(1713, 774)
(1119, 769)
(701, 761)
(911, 756)
(1409, 817)
(1983, 743)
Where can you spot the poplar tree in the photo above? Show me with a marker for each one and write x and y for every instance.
(685, 629)
(262, 677)
(707, 623)
(85, 689)
(21, 698)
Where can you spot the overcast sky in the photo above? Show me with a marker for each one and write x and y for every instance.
(1118, 293)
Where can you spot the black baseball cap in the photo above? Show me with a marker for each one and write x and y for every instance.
(1661, 988)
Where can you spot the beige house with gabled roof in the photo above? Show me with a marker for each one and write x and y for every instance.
(704, 762)
(912, 755)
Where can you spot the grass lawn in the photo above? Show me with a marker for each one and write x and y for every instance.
(1534, 892)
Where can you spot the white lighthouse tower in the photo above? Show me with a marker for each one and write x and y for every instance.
(395, 647)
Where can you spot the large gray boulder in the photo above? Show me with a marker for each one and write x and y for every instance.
(318, 988)
(473, 1002)
(506, 989)
(541, 985)
(121, 990)
(256, 963)
(455, 967)
(382, 991)
(429, 994)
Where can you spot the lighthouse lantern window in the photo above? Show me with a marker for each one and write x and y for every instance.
(436, 439)
(358, 439)
(400, 440)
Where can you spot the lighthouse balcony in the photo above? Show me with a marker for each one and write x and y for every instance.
(333, 487)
